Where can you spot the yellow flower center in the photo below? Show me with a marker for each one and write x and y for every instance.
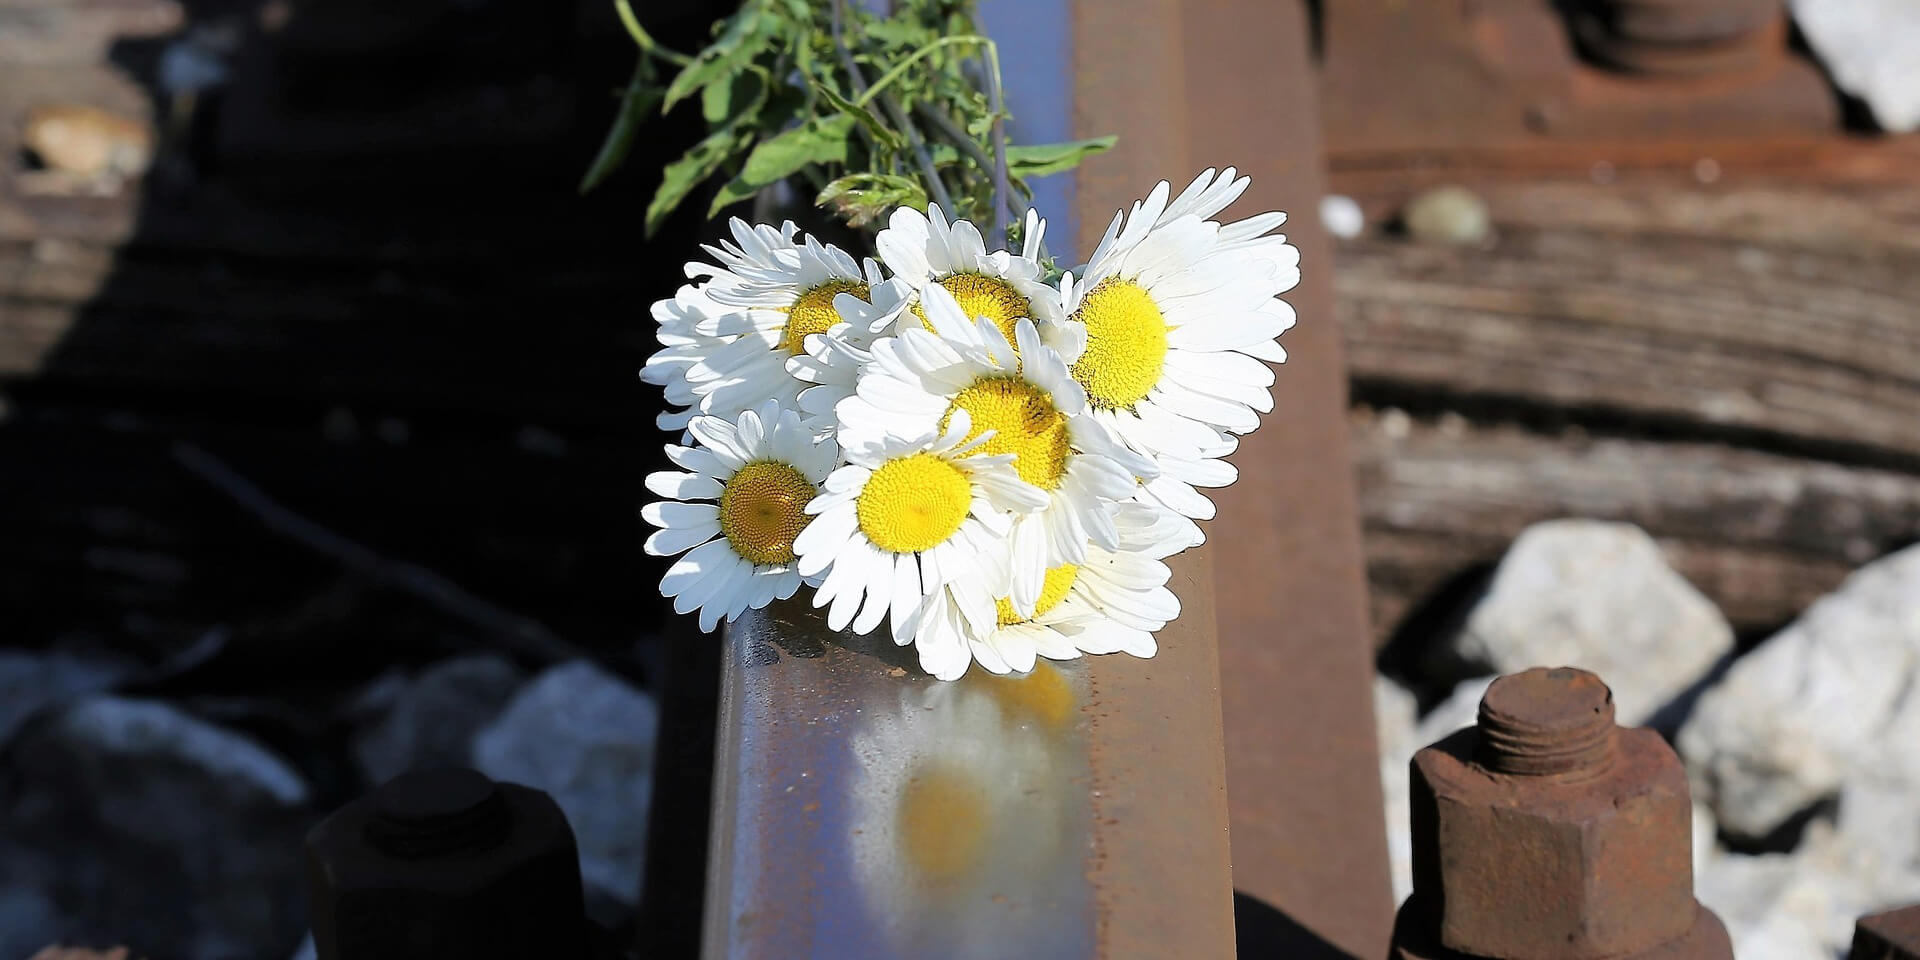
(982, 296)
(1024, 423)
(943, 823)
(913, 503)
(1126, 344)
(1052, 590)
(1043, 695)
(814, 313)
(763, 509)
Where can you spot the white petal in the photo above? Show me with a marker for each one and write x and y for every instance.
(673, 540)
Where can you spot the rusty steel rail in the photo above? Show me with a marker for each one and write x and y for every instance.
(865, 810)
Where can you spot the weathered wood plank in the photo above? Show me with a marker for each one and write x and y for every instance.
(1814, 349)
(1815, 210)
(43, 32)
(1761, 534)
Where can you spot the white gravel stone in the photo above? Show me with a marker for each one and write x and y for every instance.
(1827, 700)
(1872, 48)
(1748, 893)
(429, 719)
(586, 737)
(1401, 736)
(1802, 905)
(1599, 596)
(1395, 712)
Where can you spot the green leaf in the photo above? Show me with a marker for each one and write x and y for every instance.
(732, 192)
(862, 198)
(1039, 160)
(688, 172)
(897, 32)
(720, 102)
(881, 133)
(747, 33)
(820, 140)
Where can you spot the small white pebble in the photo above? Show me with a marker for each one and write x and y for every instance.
(1396, 424)
(1342, 216)
(1449, 215)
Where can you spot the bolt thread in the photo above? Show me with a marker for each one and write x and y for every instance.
(1543, 723)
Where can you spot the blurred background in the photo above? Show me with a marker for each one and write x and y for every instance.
(321, 443)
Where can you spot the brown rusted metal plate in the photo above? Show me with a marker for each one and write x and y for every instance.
(865, 810)
(1499, 73)
(1894, 935)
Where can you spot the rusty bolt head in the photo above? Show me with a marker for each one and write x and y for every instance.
(1679, 37)
(1708, 940)
(1549, 833)
(1894, 935)
(1687, 22)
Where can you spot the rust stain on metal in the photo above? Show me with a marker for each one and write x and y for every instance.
(1549, 833)
(1894, 935)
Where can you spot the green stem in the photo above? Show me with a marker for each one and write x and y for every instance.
(935, 188)
(1001, 194)
(645, 40)
(915, 57)
(634, 105)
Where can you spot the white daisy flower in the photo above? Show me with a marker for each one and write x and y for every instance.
(832, 362)
(738, 512)
(926, 251)
(1113, 602)
(1021, 401)
(905, 514)
(726, 343)
(1177, 313)
(680, 347)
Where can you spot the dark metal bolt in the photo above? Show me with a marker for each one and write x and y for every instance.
(446, 863)
(426, 814)
(1682, 37)
(1894, 935)
(1549, 833)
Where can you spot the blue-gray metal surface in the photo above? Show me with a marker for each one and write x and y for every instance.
(865, 810)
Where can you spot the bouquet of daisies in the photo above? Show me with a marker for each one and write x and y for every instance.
(992, 462)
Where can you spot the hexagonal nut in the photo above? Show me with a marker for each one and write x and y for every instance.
(1549, 866)
(517, 894)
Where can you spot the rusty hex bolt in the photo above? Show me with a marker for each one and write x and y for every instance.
(446, 863)
(1549, 833)
(1678, 37)
(1893, 935)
